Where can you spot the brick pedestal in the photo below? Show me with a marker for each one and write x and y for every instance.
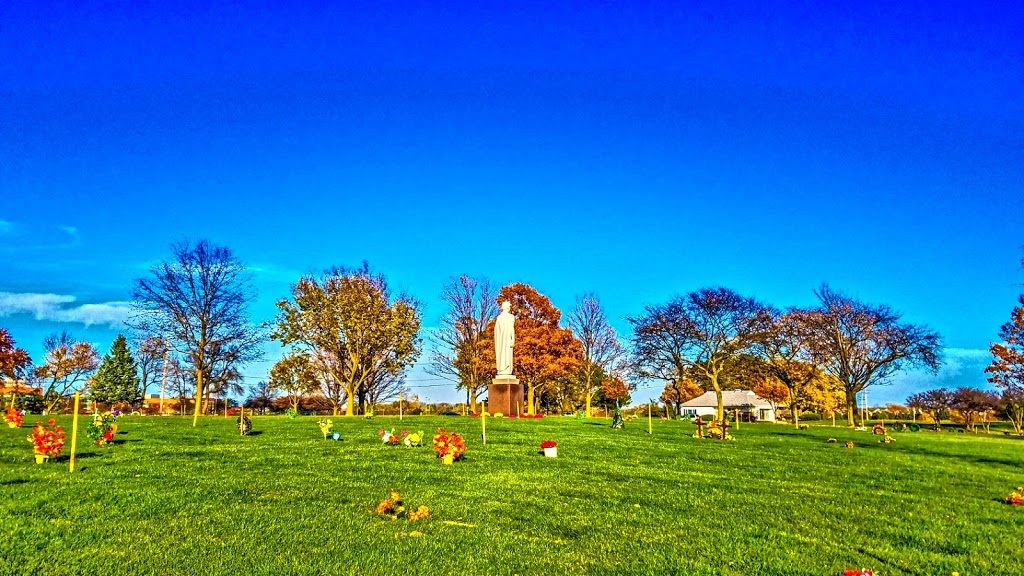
(503, 395)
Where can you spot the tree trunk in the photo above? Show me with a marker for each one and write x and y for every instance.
(795, 415)
(350, 405)
(472, 400)
(851, 408)
(529, 400)
(589, 396)
(199, 397)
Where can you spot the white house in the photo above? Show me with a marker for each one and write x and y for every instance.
(743, 400)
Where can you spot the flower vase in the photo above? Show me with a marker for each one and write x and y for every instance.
(448, 459)
(12, 424)
(551, 452)
(40, 458)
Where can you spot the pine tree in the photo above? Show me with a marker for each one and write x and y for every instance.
(117, 379)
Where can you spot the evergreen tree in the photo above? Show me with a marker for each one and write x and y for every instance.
(117, 379)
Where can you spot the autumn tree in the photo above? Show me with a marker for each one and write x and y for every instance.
(824, 394)
(67, 362)
(601, 347)
(697, 333)
(544, 353)
(458, 342)
(615, 389)
(117, 380)
(680, 390)
(774, 391)
(934, 403)
(295, 375)
(198, 300)
(352, 326)
(1007, 368)
(15, 363)
(863, 345)
(783, 346)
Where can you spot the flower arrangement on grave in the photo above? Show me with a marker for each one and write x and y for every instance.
(413, 439)
(47, 440)
(394, 508)
(861, 572)
(849, 444)
(1016, 498)
(449, 446)
(325, 425)
(102, 428)
(548, 444)
(878, 429)
(887, 440)
(391, 437)
(13, 417)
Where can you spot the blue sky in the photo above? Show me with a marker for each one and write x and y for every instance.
(634, 150)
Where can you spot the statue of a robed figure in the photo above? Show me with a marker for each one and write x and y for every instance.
(505, 394)
(504, 339)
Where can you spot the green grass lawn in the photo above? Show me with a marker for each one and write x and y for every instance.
(170, 499)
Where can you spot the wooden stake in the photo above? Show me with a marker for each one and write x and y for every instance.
(736, 417)
(650, 430)
(483, 421)
(74, 432)
(401, 413)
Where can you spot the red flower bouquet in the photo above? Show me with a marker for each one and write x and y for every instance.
(46, 441)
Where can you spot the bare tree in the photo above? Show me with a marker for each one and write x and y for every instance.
(601, 347)
(180, 382)
(67, 361)
(695, 334)
(150, 352)
(199, 301)
(863, 345)
(457, 351)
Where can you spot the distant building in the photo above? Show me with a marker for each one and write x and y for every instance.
(745, 401)
(19, 386)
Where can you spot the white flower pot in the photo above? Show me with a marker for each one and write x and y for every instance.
(551, 452)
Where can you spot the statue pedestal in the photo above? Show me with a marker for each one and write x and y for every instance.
(505, 395)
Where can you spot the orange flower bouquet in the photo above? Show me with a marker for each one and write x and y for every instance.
(449, 446)
(13, 417)
(394, 508)
(47, 442)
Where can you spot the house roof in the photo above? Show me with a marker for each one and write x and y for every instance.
(730, 398)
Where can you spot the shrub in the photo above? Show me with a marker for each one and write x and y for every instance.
(810, 417)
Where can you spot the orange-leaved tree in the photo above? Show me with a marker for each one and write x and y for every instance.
(680, 390)
(1007, 368)
(544, 352)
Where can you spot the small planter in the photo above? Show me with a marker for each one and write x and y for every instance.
(40, 458)
(551, 452)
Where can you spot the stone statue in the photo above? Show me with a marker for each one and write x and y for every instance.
(504, 339)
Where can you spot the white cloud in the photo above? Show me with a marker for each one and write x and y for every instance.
(54, 307)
